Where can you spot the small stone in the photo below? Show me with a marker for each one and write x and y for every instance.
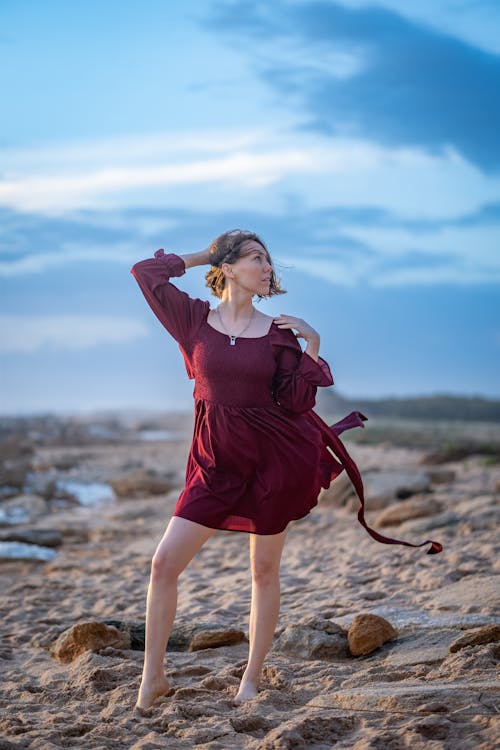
(487, 634)
(367, 633)
(87, 636)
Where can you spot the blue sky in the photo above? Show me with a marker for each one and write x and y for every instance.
(359, 139)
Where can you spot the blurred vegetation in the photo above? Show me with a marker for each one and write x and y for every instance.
(449, 427)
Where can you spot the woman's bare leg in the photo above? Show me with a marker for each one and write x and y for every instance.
(179, 544)
(265, 557)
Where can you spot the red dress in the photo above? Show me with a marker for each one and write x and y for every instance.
(259, 454)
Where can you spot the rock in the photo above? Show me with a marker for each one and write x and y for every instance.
(459, 451)
(42, 537)
(416, 507)
(367, 633)
(185, 636)
(20, 551)
(488, 634)
(482, 520)
(339, 493)
(22, 509)
(14, 472)
(87, 636)
(383, 486)
(41, 483)
(216, 638)
(418, 525)
(477, 503)
(423, 647)
(471, 591)
(142, 482)
(439, 475)
(313, 638)
(316, 730)
(410, 696)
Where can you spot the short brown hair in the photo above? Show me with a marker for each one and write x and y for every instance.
(227, 248)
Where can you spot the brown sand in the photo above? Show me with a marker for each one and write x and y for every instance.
(410, 693)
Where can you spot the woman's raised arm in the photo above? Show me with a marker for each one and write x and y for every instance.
(179, 313)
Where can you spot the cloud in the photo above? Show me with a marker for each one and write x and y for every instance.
(346, 245)
(29, 333)
(409, 85)
(272, 166)
(56, 193)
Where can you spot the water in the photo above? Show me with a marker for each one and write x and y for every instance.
(158, 435)
(20, 551)
(88, 493)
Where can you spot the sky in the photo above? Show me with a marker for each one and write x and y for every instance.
(359, 140)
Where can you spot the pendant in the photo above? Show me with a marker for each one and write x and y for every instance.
(232, 340)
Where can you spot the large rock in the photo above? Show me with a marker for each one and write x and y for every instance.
(411, 696)
(415, 507)
(422, 525)
(142, 482)
(367, 633)
(488, 634)
(42, 537)
(22, 509)
(313, 638)
(440, 475)
(381, 487)
(480, 592)
(87, 636)
(339, 494)
(426, 646)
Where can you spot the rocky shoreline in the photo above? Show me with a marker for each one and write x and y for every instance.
(98, 495)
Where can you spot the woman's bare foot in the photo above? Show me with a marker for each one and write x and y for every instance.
(149, 692)
(246, 692)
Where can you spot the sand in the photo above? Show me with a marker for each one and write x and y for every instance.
(412, 692)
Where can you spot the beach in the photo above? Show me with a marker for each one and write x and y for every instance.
(97, 497)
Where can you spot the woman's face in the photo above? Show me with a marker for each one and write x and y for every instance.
(252, 271)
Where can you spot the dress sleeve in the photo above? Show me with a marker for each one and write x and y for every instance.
(179, 313)
(298, 375)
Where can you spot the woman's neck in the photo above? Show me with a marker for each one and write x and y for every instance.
(236, 305)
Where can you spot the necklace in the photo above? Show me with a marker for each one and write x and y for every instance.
(232, 339)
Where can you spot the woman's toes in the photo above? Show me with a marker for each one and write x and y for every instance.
(246, 692)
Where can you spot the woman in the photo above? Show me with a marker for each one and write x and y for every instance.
(259, 454)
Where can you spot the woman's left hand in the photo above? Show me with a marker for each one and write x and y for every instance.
(303, 329)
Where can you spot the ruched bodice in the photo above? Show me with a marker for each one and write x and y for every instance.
(222, 371)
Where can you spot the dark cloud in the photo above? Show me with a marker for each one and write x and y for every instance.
(417, 86)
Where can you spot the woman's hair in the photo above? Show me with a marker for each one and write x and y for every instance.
(227, 248)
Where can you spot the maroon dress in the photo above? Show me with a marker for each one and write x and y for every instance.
(259, 454)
